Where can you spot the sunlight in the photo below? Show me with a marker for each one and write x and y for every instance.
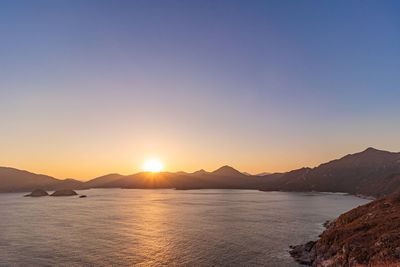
(153, 165)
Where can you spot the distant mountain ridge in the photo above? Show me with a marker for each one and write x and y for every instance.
(12, 180)
(371, 172)
(368, 173)
(102, 181)
(228, 171)
(224, 177)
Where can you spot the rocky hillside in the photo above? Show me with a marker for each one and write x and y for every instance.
(368, 235)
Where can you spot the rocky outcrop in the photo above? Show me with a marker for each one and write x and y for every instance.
(303, 254)
(368, 235)
(37, 193)
(64, 193)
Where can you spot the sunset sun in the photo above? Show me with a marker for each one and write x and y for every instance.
(153, 165)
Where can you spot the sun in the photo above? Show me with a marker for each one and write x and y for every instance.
(153, 165)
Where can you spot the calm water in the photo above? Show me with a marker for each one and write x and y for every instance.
(116, 227)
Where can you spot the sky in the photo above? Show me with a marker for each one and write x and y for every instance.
(95, 87)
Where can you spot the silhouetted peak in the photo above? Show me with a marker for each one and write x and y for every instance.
(371, 149)
(201, 171)
(378, 151)
(227, 171)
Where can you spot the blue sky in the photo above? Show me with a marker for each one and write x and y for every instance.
(261, 85)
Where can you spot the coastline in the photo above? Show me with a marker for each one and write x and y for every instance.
(368, 235)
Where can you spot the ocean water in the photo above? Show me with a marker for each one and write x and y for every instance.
(128, 227)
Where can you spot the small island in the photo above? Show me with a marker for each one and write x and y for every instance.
(37, 193)
(64, 193)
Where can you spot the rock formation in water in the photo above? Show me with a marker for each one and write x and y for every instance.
(368, 235)
(37, 193)
(64, 193)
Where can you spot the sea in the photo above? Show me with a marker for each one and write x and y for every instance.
(164, 227)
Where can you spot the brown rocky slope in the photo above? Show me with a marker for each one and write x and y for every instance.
(368, 235)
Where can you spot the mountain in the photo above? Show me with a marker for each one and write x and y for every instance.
(18, 180)
(148, 180)
(199, 172)
(225, 177)
(14, 180)
(371, 172)
(103, 181)
(228, 171)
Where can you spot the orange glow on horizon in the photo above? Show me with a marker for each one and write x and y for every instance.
(153, 165)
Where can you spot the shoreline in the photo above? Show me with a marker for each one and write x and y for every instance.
(368, 235)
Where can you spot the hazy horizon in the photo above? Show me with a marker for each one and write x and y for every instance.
(96, 87)
(200, 169)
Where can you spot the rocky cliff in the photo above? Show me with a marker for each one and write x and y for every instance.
(368, 235)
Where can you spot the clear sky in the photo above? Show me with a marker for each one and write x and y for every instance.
(93, 87)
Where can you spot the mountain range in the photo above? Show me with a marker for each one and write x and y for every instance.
(371, 172)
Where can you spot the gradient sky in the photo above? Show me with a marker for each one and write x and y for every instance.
(93, 87)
